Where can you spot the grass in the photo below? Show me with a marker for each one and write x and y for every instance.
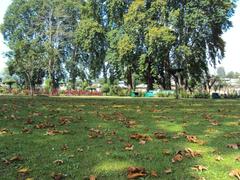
(104, 156)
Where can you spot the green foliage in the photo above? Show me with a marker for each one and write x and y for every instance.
(201, 95)
(125, 47)
(84, 85)
(115, 90)
(165, 94)
(3, 90)
(105, 88)
(185, 94)
(48, 85)
(74, 39)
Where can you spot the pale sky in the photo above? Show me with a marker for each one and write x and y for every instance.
(232, 37)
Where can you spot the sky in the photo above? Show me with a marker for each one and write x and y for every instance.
(231, 62)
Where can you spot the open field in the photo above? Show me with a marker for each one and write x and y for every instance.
(79, 137)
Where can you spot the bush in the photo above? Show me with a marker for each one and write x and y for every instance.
(124, 92)
(164, 94)
(185, 94)
(201, 95)
(232, 96)
(80, 93)
(15, 91)
(48, 85)
(3, 90)
(25, 92)
(114, 90)
(105, 88)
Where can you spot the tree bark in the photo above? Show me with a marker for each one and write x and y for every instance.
(150, 79)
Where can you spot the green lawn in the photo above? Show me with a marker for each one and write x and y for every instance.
(91, 135)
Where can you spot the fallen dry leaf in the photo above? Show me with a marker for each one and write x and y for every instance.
(37, 114)
(177, 158)
(55, 132)
(130, 123)
(92, 177)
(192, 139)
(109, 142)
(16, 158)
(129, 147)
(44, 125)
(142, 142)
(95, 133)
(238, 158)
(188, 152)
(4, 131)
(207, 117)
(175, 136)
(160, 135)
(219, 158)
(118, 106)
(57, 176)
(154, 173)
(26, 130)
(28, 122)
(235, 173)
(64, 147)
(140, 137)
(168, 171)
(12, 159)
(199, 168)
(234, 146)
(23, 171)
(64, 121)
(215, 123)
(136, 172)
(166, 152)
(58, 162)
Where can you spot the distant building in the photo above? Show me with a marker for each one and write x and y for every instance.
(122, 84)
(141, 87)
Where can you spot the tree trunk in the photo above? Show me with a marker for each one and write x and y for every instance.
(150, 79)
(167, 73)
(105, 73)
(130, 79)
(176, 79)
(30, 84)
(74, 83)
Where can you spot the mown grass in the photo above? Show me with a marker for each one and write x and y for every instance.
(105, 156)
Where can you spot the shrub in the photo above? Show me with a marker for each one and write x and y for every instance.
(232, 96)
(48, 85)
(105, 88)
(115, 89)
(3, 90)
(202, 95)
(81, 93)
(15, 91)
(184, 94)
(26, 92)
(164, 94)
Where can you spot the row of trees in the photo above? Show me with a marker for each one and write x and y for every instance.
(222, 74)
(148, 40)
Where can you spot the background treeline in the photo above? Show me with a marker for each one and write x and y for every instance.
(144, 40)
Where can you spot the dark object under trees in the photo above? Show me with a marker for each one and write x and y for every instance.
(216, 96)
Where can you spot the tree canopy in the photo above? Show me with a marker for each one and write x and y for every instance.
(130, 39)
